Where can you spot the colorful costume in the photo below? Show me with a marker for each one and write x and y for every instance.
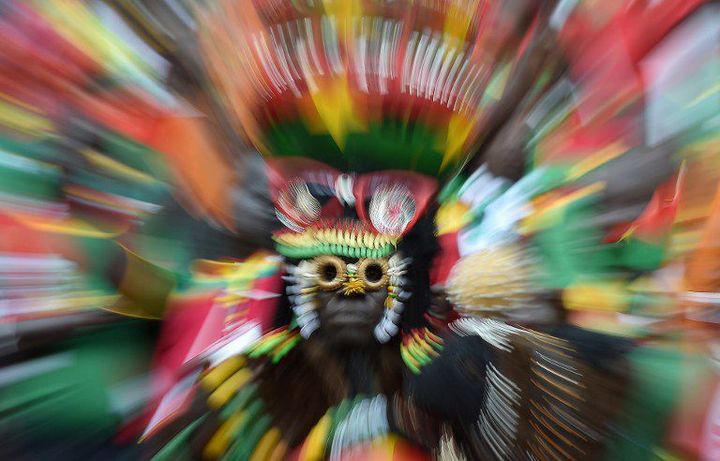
(371, 96)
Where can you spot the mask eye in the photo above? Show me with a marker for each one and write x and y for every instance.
(330, 271)
(373, 272)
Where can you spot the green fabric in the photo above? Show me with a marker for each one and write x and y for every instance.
(387, 145)
(450, 191)
(571, 249)
(657, 380)
(40, 149)
(69, 393)
(239, 401)
(176, 449)
(24, 176)
(253, 429)
(639, 254)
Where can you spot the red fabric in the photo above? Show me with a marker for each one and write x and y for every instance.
(263, 310)
(445, 261)
(658, 217)
(185, 320)
(605, 44)
(130, 114)
(404, 451)
(709, 443)
(401, 451)
(48, 72)
(189, 327)
(17, 238)
(645, 24)
(695, 425)
(283, 171)
(422, 187)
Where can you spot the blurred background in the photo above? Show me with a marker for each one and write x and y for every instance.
(125, 158)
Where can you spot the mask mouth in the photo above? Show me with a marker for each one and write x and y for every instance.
(351, 319)
(360, 312)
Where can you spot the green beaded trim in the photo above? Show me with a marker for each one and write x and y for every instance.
(419, 348)
(275, 345)
(334, 249)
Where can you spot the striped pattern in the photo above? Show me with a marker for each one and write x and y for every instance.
(540, 402)
(359, 85)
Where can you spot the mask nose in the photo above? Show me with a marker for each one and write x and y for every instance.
(353, 286)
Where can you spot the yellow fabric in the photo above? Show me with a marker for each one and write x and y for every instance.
(383, 449)
(23, 119)
(546, 216)
(278, 454)
(265, 447)
(227, 389)
(458, 18)
(222, 437)
(314, 447)
(73, 20)
(605, 295)
(140, 299)
(116, 168)
(215, 377)
(596, 160)
(335, 107)
(459, 130)
(451, 217)
(67, 226)
(344, 11)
